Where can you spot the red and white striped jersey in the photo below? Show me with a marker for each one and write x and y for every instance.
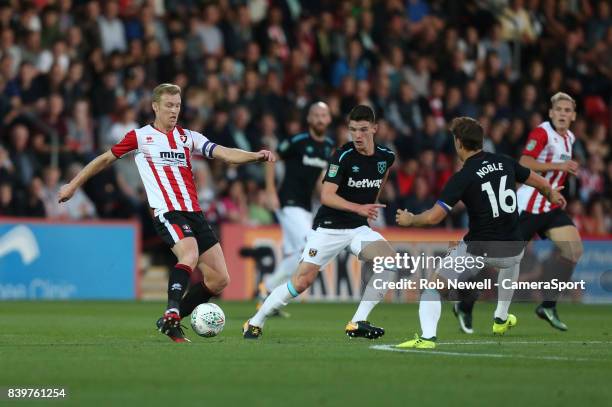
(546, 146)
(164, 164)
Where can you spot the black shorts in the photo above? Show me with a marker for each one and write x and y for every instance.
(176, 225)
(530, 223)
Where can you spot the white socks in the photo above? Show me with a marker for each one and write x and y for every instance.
(283, 271)
(504, 295)
(371, 296)
(430, 308)
(277, 299)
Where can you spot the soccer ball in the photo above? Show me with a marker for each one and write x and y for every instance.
(207, 320)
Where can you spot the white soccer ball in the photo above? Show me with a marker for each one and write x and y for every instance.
(207, 320)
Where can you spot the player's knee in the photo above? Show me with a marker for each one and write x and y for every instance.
(189, 259)
(224, 281)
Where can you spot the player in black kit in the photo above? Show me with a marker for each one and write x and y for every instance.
(352, 184)
(486, 185)
(305, 156)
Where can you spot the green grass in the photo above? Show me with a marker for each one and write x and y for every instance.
(107, 353)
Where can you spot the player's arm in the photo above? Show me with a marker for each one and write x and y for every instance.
(208, 149)
(319, 185)
(432, 216)
(553, 195)
(98, 164)
(537, 140)
(271, 192)
(238, 156)
(330, 198)
(569, 166)
(525, 175)
(382, 185)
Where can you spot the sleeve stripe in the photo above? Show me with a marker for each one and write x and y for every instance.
(345, 153)
(444, 206)
(299, 137)
(385, 150)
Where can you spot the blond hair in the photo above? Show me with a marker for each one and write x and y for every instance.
(562, 96)
(165, 88)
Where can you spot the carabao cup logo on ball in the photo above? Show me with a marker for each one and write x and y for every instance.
(207, 320)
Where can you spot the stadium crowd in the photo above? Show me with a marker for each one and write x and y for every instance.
(75, 76)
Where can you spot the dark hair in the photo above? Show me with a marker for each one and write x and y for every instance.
(362, 112)
(468, 131)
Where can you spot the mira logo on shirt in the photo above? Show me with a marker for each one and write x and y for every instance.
(364, 183)
(172, 154)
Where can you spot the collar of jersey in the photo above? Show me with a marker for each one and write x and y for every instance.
(165, 134)
(477, 155)
(557, 131)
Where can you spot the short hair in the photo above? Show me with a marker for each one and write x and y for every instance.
(165, 88)
(562, 96)
(361, 113)
(468, 131)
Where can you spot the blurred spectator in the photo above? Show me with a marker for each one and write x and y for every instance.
(76, 76)
(112, 30)
(420, 200)
(79, 206)
(23, 160)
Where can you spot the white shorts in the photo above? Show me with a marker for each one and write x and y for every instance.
(295, 222)
(324, 244)
(463, 273)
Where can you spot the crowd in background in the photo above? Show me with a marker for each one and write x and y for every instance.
(75, 76)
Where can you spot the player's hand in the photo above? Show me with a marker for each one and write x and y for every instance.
(265, 155)
(570, 166)
(556, 198)
(370, 211)
(403, 217)
(65, 193)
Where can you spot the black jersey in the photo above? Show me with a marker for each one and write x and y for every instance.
(305, 158)
(359, 178)
(486, 185)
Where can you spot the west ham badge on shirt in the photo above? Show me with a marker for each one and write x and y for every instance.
(382, 167)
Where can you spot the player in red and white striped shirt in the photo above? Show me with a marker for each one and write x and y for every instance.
(163, 156)
(549, 152)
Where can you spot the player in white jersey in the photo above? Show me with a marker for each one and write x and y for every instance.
(163, 156)
(549, 152)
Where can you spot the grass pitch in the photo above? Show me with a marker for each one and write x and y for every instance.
(108, 353)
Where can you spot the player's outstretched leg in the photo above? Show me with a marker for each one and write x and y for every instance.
(280, 297)
(281, 275)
